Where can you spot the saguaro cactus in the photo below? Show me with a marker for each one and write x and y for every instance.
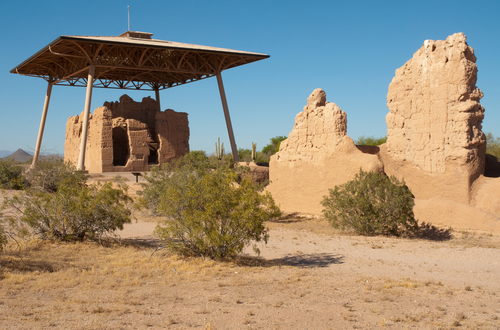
(219, 150)
(254, 151)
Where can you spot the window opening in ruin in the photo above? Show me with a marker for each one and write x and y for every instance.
(121, 148)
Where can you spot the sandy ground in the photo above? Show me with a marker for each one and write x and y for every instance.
(356, 282)
(308, 276)
(422, 260)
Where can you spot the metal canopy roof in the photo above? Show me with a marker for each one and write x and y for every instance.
(130, 61)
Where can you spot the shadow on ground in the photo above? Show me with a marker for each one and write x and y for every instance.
(290, 218)
(431, 233)
(315, 260)
(17, 264)
(22, 260)
(144, 241)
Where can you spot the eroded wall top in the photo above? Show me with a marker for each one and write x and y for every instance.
(320, 127)
(435, 116)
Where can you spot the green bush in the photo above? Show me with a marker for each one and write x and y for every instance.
(60, 205)
(493, 145)
(50, 173)
(206, 213)
(370, 141)
(198, 155)
(274, 146)
(11, 175)
(265, 155)
(246, 156)
(371, 204)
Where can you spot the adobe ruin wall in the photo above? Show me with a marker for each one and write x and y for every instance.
(434, 142)
(128, 136)
(317, 155)
(434, 136)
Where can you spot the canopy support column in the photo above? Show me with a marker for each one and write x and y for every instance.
(234, 150)
(88, 99)
(157, 95)
(42, 123)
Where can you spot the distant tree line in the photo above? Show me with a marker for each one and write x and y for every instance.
(265, 154)
(493, 145)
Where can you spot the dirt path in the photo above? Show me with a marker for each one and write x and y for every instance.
(448, 262)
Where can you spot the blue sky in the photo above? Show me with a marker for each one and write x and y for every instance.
(350, 49)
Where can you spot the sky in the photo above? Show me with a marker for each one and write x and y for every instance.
(350, 49)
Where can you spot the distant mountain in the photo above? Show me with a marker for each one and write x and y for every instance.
(19, 156)
(22, 156)
(5, 153)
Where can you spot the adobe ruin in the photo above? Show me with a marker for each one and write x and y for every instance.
(434, 136)
(434, 142)
(317, 155)
(435, 139)
(128, 136)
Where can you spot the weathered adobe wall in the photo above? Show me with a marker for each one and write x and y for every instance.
(128, 136)
(434, 143)
(434, 137)
(317, 155)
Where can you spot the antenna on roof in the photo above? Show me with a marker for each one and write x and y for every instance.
(128, 7)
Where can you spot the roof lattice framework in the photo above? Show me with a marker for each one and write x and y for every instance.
(130, 61)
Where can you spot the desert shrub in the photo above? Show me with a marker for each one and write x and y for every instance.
(199, 155)
(274, 146)
(71, 209)
(3, 235)
(371, 204)
(152, 194)
(11, 175)
(50, 173)
(493, 145)
(246, 156)
(205, 212)
(370, 141)
(266, 153)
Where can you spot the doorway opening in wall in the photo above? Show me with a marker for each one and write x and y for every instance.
(153, 147)
(121, 147)
(153, 153)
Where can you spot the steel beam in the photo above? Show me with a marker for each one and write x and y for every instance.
(157, 95)
(42, 123)
(88, 99)
(234, 150)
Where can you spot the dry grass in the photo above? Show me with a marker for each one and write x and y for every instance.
(313, 223)
(467, 239)
(87, 264)
(406, 283)
(88, 279)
